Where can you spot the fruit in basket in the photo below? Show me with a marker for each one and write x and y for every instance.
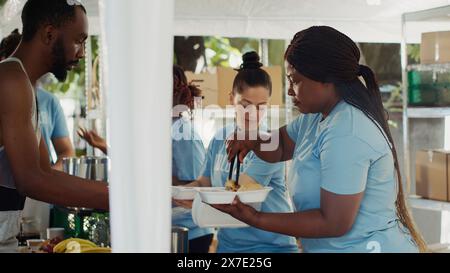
(49, 245)
(73, 245)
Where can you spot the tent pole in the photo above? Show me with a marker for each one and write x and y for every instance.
(138, 50)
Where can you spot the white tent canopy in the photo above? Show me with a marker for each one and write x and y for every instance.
(362, 20)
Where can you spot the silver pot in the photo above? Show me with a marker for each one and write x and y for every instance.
(93, 168)
(70, 165)
(180, 240)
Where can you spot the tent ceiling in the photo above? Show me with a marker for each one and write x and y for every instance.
(363, 20)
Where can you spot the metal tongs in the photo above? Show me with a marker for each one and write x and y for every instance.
(230, 175)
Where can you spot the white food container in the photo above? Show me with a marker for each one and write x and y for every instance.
(257, 196)
(217, 196)
(206, 216)
(184, 193)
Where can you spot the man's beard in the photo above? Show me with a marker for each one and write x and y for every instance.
(59, 68)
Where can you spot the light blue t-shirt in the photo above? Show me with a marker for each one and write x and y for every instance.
(347, 154)
(250, 240)
(188, 154)
(52, 119)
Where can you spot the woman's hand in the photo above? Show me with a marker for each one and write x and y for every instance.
(93, 139)
(187, 204)
(240, 211)
(239, 145)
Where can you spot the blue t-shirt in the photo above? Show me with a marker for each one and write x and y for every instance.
(348, 154)
(52, 118)
(188, 154)
(250, 240)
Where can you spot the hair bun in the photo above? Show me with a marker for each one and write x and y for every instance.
(251, 60)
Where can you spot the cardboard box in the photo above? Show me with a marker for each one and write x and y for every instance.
(432, 174)
(435, 47)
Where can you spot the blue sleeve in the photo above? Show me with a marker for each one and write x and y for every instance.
(59, 120)
(187, 159)
(293, 129)
(297, 128)
(345, 163)
(263, 172)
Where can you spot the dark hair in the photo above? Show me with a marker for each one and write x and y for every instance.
(37, 13)
(250, 74)
(326, 55)
(9, 44)
(183, 92)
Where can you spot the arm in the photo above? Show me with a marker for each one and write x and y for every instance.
(334, 218)
(23, 154)
(277, 147)
(44, 157)
(93, 139)
(63, 148)
(202, 181)
(343, 179)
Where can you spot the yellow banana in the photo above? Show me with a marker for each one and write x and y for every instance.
(61, 246)
(96, 250)
(85, 242)
(73, 245)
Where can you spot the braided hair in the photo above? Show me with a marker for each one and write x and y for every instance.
(323, 54)
(183, 92)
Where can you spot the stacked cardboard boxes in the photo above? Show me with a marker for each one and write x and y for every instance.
(432, 174)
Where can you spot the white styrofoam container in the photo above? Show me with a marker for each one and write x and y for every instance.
(184, 193)
(206, 216)
(257, 196)
(217, 196)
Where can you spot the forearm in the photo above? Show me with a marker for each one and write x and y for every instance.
(177, 182)
(270, 148)
(307, 224)
(61, 155)
(199, 183)
(61, 189)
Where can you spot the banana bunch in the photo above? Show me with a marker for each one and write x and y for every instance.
(74, 245)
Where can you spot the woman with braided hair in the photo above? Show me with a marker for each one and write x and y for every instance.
(188, 155)
(345, 180)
